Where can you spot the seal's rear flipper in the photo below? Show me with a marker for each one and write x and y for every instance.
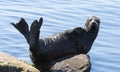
(23, 28)
(34, 34)
(40, 22)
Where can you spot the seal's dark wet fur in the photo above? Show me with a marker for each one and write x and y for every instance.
(74, 41)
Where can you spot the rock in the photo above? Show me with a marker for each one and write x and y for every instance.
(78, 63)
(9, 63)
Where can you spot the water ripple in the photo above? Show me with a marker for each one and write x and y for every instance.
(59, 16)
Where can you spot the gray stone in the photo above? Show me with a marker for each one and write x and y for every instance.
(78, 63)
(9, 63)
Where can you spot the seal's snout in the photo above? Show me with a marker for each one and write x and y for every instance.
(94, 24)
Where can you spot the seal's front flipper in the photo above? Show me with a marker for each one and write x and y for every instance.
(23, 28)
(78, 31)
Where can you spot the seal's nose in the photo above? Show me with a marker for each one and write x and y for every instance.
(93, 24)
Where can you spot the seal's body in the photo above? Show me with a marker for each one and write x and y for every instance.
(75, 41)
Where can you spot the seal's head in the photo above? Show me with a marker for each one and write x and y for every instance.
(92, 24)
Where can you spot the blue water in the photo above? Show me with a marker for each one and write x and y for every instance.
(60, 15)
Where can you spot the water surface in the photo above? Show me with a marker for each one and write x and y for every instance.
(59, 16)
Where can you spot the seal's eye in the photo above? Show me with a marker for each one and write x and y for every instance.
(98, 21)
(90, 19)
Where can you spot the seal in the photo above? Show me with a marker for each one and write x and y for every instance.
(74, 41)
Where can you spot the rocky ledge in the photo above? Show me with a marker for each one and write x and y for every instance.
(78, 63)
(9, 63)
